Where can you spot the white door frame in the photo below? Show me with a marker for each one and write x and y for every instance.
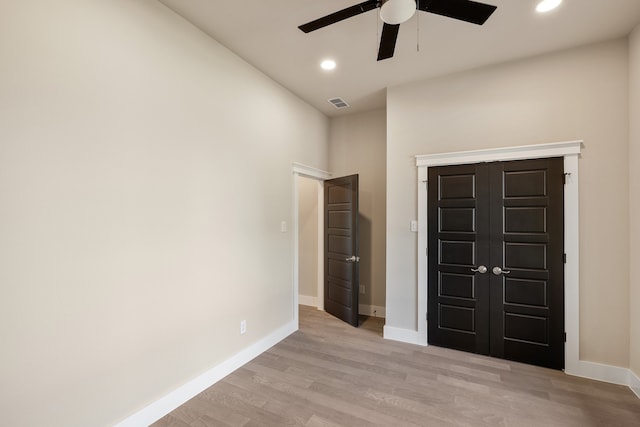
(570, 151)
(319, 176)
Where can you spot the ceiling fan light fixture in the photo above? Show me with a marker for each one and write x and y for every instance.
(547, 5)
(395, 12)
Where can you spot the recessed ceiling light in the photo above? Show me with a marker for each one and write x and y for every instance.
(547, 5)
(328, 64)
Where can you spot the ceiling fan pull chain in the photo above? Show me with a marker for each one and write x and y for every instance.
(378, 19)
(418, 29)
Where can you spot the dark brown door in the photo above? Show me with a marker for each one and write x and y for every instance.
(458, 212)
(496, 273)
(341, 272)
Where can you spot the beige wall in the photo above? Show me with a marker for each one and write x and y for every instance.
(357, 145)
(144, 172)
(307, 237)
(634, 196)
(580, 94)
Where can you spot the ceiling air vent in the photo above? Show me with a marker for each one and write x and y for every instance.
(338, 102)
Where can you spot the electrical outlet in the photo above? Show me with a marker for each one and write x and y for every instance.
(243, 327)
(362, 289)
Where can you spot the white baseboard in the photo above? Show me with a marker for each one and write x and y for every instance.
(634, 383)
(600, 372)
(308, 300)
(372, 310)
(171, 401)
(398, 334)
(584, 369)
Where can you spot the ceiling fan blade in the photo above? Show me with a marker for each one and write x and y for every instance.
(388, 41)
(464, 10)
(339, 16)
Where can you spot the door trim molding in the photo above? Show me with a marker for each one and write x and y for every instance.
(522, 152)
(298, 169)
(309, 171)
(570, 151)
(634, 383)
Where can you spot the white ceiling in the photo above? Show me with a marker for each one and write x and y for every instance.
(266, 34)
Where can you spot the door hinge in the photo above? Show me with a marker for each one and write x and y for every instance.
(564, 258)
(565, 337)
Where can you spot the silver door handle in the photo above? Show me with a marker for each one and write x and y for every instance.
(353, 258)
(481, 269)
(498, 271)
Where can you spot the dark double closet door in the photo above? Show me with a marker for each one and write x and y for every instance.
(496, 259)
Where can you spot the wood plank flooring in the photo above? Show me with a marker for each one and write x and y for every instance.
(329, 374)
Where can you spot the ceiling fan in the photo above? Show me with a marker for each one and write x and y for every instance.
(395, 12)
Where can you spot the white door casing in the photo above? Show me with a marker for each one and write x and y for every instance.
(319, 176)
(570, 151)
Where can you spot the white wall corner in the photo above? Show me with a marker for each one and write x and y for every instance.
(634, 383)
(408, 336)
(372, 310)
(182, 394)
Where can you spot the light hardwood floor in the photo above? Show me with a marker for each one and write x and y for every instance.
(330, 374)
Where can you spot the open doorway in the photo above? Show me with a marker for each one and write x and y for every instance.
(309, 236)
(308, 191)
(308, 183)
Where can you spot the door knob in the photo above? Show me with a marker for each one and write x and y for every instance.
(353, 258)
(498, 271)
(481, 269)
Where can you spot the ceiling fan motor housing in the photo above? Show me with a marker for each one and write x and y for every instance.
(397, 11)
